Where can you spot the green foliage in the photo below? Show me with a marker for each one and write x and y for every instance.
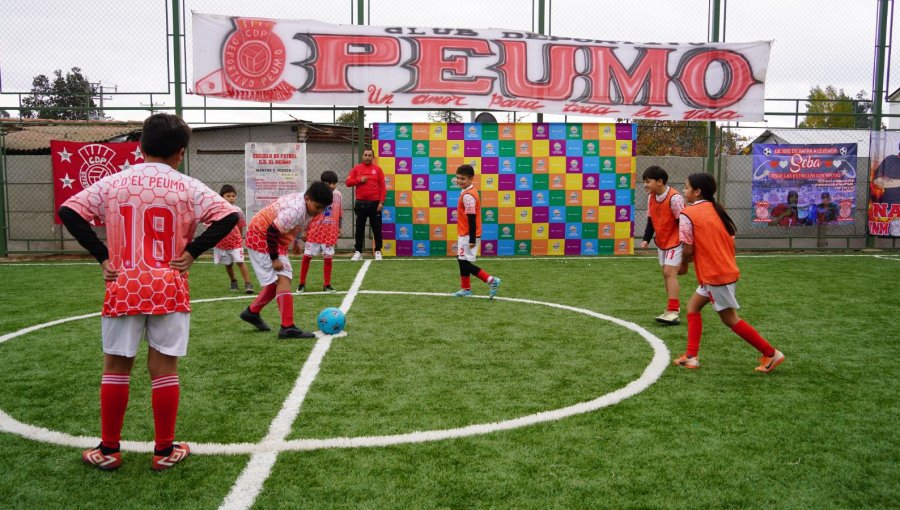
(819, 432)
(682, 138)
(62, 98)
(832, 108)
(350, 118)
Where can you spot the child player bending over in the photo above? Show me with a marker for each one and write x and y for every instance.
(270, 234)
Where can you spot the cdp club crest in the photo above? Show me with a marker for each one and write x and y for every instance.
(96, 164)
(253, 56)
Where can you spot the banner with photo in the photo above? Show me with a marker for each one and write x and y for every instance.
(795, 185)
(311, 62)
(884, 188)
(546, 189)
(77, 165)
(272, 170)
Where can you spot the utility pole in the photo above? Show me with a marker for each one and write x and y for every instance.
(99, 90)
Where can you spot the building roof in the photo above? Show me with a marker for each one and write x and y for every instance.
(814, 136)
(33, 136)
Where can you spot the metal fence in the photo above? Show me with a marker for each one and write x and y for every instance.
(137, 57)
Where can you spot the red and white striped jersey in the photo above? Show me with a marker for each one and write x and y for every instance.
(287, 213)
(151, 213)
(324, 228)
(235, 239)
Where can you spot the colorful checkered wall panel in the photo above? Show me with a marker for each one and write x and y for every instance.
(546, 189)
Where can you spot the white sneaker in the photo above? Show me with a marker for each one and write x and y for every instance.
(668, 318)
(377, 255)
(356, 256)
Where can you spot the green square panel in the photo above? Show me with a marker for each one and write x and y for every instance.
(557, 197)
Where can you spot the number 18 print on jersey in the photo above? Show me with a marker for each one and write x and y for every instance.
(151, 213)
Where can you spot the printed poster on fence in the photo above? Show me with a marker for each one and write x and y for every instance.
(272, 170)
(796, 185)
(311, 62)
(77, 165)
(546, 189)
(884, 190)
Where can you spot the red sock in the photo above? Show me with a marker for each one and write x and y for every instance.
(695, 329)
(752, 337)
(286, 306)
(465, 282)
(483, 276)
(673, 305)
(165, 394)
(113, 403)
(266, 295)
(327, 274)
(304, 268)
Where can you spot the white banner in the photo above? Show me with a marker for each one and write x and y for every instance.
(272, 170)
(309, 62)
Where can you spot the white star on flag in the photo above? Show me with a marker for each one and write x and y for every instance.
(66, 181)
(126, 166)
(137, 154)
(65, 155)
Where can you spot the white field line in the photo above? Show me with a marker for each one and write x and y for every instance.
(249, 484)
(650, 375)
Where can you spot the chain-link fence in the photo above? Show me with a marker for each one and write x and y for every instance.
(134, 66)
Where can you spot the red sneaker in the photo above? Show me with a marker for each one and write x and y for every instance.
(105, 461)
(179, 453)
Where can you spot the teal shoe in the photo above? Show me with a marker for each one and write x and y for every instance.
(495, 285)
(462, 293)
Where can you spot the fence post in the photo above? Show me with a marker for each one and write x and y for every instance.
(540, 30)
(878, 85)
(711, 126)
(3, 218)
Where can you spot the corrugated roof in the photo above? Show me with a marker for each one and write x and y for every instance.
(32, 138)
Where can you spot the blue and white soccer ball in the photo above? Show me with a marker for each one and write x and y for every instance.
(331, 321)
(767, 151)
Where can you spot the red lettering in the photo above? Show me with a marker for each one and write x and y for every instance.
(798, 162)
(895, 211)
(557, 82)
(650, 113)
(713, 115)
(343, 52)
(436, 71)
(879, 209)
(647, 77)
(879, 228)
(737, 78)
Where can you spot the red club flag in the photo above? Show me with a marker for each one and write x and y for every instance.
(77, 165)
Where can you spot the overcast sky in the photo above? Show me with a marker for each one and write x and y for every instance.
(122, 44)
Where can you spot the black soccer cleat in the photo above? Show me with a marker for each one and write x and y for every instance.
(294, 332)
(255, 319)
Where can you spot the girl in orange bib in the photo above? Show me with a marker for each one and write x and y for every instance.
(707, 234)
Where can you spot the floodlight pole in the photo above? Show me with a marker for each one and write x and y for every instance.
(711, 126)
(176, 62)
(878, 92)
(540, 30)
(360, 110)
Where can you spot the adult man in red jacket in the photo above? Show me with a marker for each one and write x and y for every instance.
(368, 179)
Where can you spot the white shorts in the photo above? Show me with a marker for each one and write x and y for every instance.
(670, 257)
(265, 273)
(167, 333)
(464, 251)
(313, 249)
(721, 296)
(228, 257)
